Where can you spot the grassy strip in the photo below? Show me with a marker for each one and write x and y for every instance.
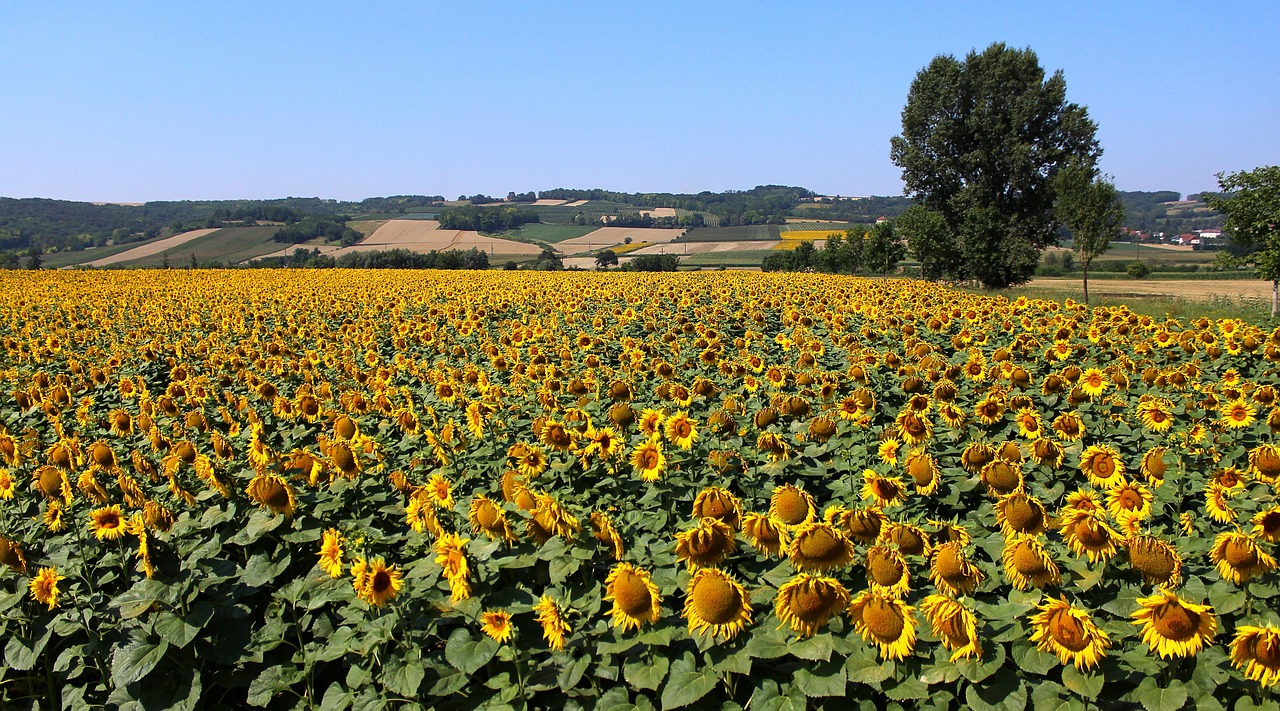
(1251, 309)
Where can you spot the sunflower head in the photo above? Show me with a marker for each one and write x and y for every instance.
(951, 570)
(1101, 463)
(708, 543)
(819, 546)
(885, 621)
(1070, 633)
(107, 523)
(1027, 563)
(792, 505)
(863, 526)
(1173, 627)
(887, 571)
(1256, 650)
(718, 503)
(1020, 512)
(272, 492)
(497, 625)
(1238, 557)
(1001, 477)
(766, 534)
(635, 598)
(1159, 562)
(807, 602)
(715, 603)
(882, 490)
(954, 624)
(12, 556)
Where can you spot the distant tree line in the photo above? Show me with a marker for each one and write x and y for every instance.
(485, 219)
(877, 251)
(763, 204)
(640, 219)
(383, 259)
(331, 227)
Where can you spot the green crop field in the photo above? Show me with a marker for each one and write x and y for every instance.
(230, 245)
(548, 233)
(814, 226)
(735, 258)
(59, 260)
(730, 234)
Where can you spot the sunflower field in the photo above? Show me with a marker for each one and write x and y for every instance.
(342, 489)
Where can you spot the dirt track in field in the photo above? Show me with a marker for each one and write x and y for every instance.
(614, 236)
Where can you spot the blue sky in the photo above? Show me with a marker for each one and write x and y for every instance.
(135, 101)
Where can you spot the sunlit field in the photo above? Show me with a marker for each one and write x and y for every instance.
(347, 489)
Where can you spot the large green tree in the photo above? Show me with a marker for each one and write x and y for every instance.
(1087, 205)
(1252, 208)
(982, 139)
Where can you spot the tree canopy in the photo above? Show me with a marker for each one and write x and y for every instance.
(1089, 208)
(982, 139)
(1252, 209)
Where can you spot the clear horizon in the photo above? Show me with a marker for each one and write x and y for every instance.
(145, 101)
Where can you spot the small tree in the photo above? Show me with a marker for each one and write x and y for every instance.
(195, 263)
(606, 258)
(883, 250)
(1086, 204)
(164, 262)
(930, 242)
(35, 258)
(1252, 208)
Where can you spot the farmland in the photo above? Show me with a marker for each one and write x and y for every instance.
(491, 488)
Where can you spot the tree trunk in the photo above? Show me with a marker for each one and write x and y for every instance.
(1275, 296)
(1084, 269)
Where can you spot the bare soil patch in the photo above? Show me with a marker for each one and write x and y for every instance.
(152, 248)
(423, 236)
(606, 237)
(682, 248)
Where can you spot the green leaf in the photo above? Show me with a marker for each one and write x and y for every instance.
(766, 646)
(450, 681)
(687, 683)
(868, 671)
(336, 698)
(1030, 659)
(993, 658)
(19, 654)
(815, 649)
(562, 567)
(171, 687)
(467, 654)
(260, 523)
(908, 689)
(135, 601)
(270, 682)
(1004, 692)
(1049, 696)
(821, 679)
(1086, 685)
(180, 631)
(1154, 698)
(403, 677)
(768, 697)
(572, 674)
(133, 661)
(646, 674)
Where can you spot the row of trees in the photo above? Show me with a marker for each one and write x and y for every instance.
(877, 251)
(331, 227)
(485, 219)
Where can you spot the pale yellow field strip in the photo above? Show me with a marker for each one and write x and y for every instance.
(659, 212)
(682, 248)
(606, 237)
(576, 203)
(288, 251)
(550, 203)
(1185, 288)
(152, 248)
(423, 236)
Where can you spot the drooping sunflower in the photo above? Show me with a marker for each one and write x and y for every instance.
(681, 430)
(766, 534)
(1217, 503)
(884, 491)
(1237, 414)
(1264, 462)
(649, 462)
(556, 435)
(1087, 534)
(774, 446)
(1101, 463)
(1069, 426)
(489, 520)
(551, 518)
(914, 427)
(1000, 476)
(1028, 564)
(886, 621)
(603, 530)
(1159, 562)
(554, 626)
(1156, 414)
(821, 429)
(331, 553)
(887, 571)
(421, 515)
(1070, 633)
(951, 571)
(651, 422)
(1021, 512)
(717, 604)
(1173, 627)
(1257, 651)
(497, 625)
(272, 492)
(1266, 524)
(1047, 451)
(1153, 466)
(44, 587)
(792, 505)
(706, 544)
(1129, 500)
(923, 469)
(909, 538)
(819, 546)
(954, 624)
(382, 582)
(863, 525)
(450, 550)
(976, 455)
(7, 486)
(1238, 557)
(807, 602)
(635, 598)
(12, 556)
(718, 503)
(107, 523)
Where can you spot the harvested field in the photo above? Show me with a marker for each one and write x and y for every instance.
(151, 249)
(659, 212)
(789, 244)
(606, 237)
(1180, 288)
(424, 236)
(731, 234)
(304, 247)
(683, 248)
(549, 202)
(366, 227)
(576, 203)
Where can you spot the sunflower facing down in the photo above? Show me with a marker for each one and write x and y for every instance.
(792, 505)
(718, 503)
(1027, 563)
(886, 621)
(1087, 534)
(1238, 557)
(819, 546)
(554, 626)
(923, 469)
(451, 556)
(1257, 650)
(951, 570)
(1020, 512)
(954, 624)
(1070, 633)
(272, 492)
(635, 598)
(887, 571)
(489, 520)
(1159, 562)
(717, 604)
(884, 491)
(603, 530)
(766, 534)
(807, 602)
(1173, 627)
(1266, 524)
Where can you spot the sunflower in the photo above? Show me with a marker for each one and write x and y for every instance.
(716, 603)
(821, 429)
(450, 550)
(715, 502)
(1000, 476)
(635, 598)
(951, 571)
(606, 443)
(914, 427)
(1020, 512)
(976, 455)
(706, 544)
(53, 518)
(1154, 467)
(440, 491)
(554, 626)
(923, 469)
(1237, 414)
(766, 534)
(1257, 650)
(1217, 503)
(1264, 462)
(819, 546)
(909, 538)
(1093, 382)
(44, 587)
(886, 621)
(381, 583)
(51, 482)
(1069, 426)
(331, 553)
(887, 571)
(12, 556)
(1159, 562)
(1156, 414)
(681, 430)
(651, 422)
(1239, 557)
(648, 461)
(7, 486)
(885, 491)
(552, 518)
(1027, 563)
(1129, 500)
(774, 446)
(488, 519)
(952, 415)
(1087, 534)
(604, 531)
(807, 602)
(1029, 426)
(272, 492)
(1101, 463)
(496, 624)
(1266, 524)
(888, 450)
(1070, 633)
(792, 505)
(954, 624)
(989, 410)
(107, 523)
(1048, 452)
(530, 460)
(1173, 627)
(863, 525)
(421, 515)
